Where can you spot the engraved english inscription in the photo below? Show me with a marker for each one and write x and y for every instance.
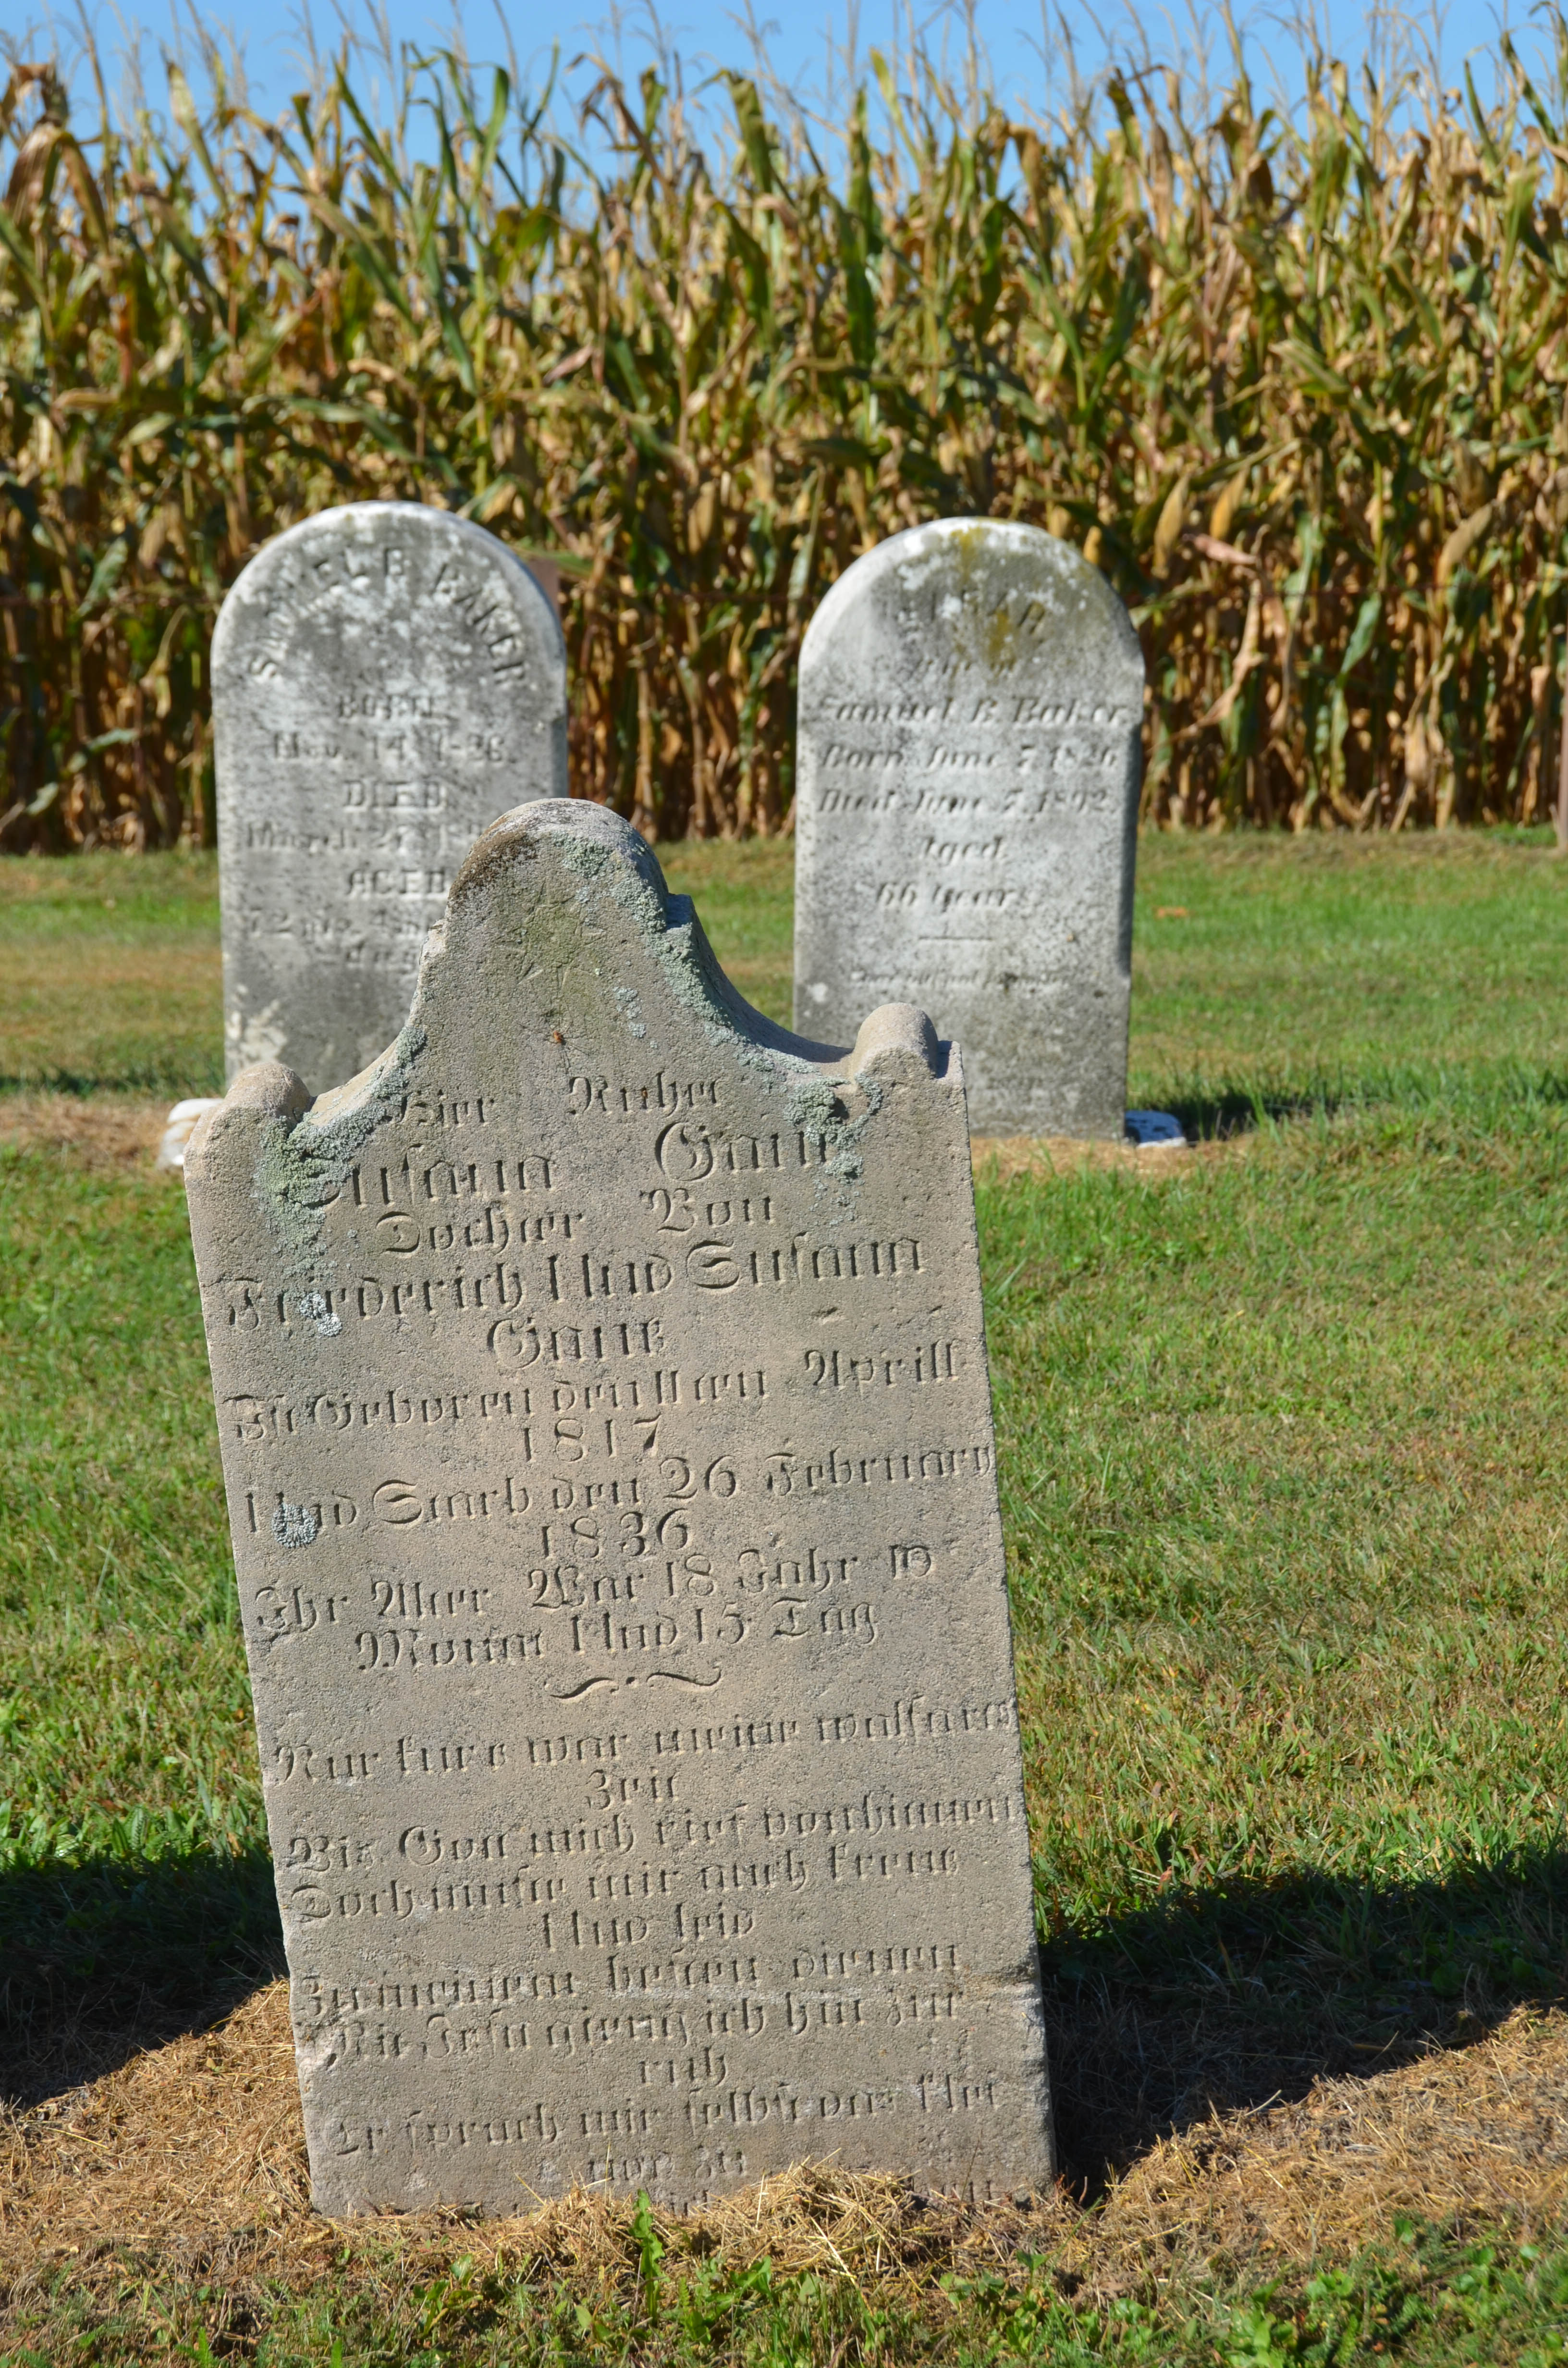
(605, 1418)
(969, 704)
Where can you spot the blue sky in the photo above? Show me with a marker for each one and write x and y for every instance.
(796, 35)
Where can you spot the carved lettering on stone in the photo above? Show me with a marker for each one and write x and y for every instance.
(386, 680)
(606, 1424)
(969, 703)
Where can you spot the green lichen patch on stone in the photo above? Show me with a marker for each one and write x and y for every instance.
(302, 1168)
(818, 1106)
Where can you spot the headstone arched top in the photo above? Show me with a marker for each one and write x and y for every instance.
(386, 680)
(602, 1389)
(971, 697)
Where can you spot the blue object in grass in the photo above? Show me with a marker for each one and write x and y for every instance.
(1144, 1127)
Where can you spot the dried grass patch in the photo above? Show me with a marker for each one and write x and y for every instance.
(192, 2153)
(1465, 2136)
(101, 1130)
(200, 2136)
(997, 1158)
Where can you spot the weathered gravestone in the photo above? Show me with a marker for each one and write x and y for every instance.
(966, 815)
(386, 680)
(607, 1440)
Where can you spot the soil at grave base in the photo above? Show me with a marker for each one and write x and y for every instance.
(191, 2153)
(112, 1130)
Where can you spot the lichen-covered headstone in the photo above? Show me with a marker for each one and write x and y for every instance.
(386, 680)
(608, 1441)
(966, 814)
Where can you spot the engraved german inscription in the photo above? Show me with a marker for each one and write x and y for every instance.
(601, 1388)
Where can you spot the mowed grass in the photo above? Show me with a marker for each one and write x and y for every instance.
(1282, 1435)
(110, 980)
(1287, 971)
(1284, 973)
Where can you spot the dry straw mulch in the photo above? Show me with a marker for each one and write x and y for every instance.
(997, 1158)
(102, 1130)
(1464, 2137)
(192, 2152)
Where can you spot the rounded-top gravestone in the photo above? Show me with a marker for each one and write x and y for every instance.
(966, 817)
(386, 680)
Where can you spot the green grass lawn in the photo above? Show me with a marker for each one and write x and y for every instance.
(1282, 1437)
(1270, 971)
(110, 974)
(1286, 973)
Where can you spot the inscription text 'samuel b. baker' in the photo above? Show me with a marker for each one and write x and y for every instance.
(971, 699)
(607, 1440)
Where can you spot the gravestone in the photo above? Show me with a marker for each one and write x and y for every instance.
(386, 680)
(966, 814)
(608, 1441)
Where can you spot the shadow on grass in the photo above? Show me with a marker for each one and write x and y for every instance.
(152, 1079)
(1239, 1996)
(98, 1961)
(1484, 1098)
(1214, 2000)
(1214, 1118)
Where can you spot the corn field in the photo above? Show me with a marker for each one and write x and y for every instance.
(1297, 385)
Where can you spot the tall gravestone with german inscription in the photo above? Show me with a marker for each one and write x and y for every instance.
(608, 1441)
(386, 680)
(966, 814)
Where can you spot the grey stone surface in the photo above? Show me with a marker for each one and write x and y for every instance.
(386, 680)
(607, 1433)
(966, 814)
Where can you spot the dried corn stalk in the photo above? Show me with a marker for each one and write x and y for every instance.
(710, 381)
